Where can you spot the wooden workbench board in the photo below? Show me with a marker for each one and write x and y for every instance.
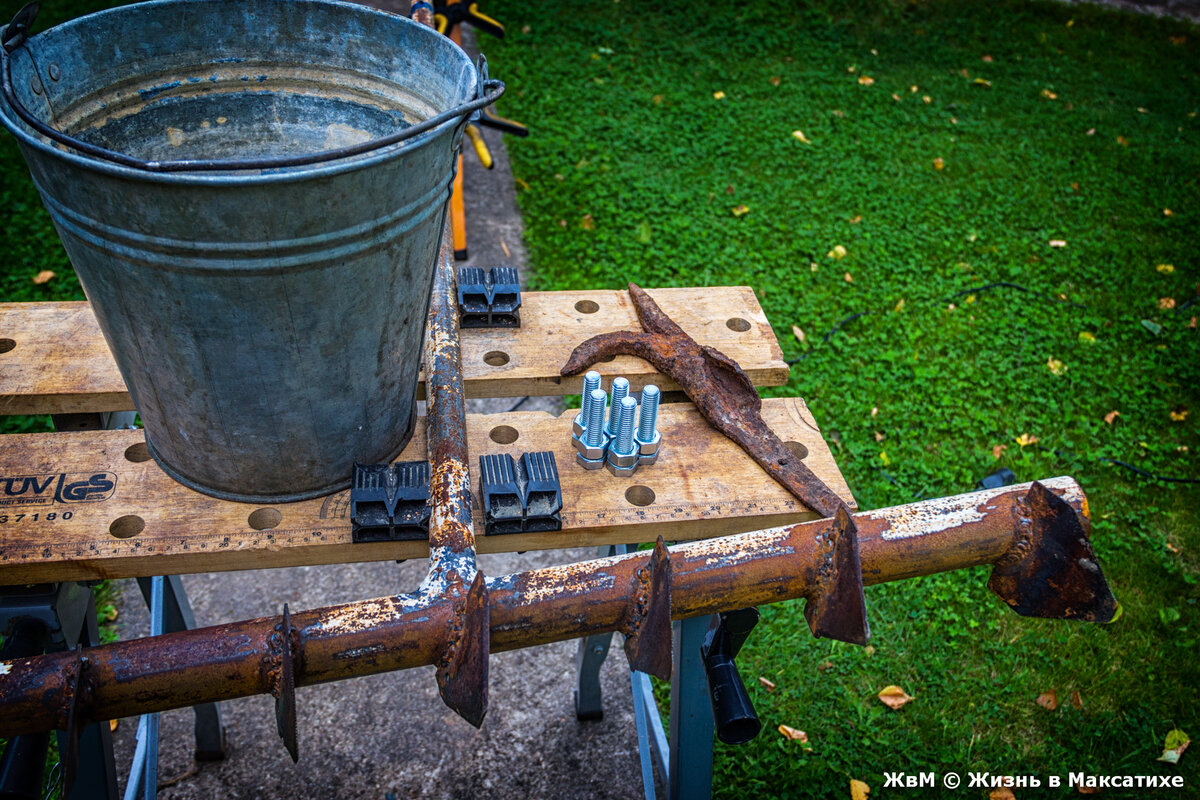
(54, 360)
(55, 526)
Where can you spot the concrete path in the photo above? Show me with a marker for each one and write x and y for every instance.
(391, 733)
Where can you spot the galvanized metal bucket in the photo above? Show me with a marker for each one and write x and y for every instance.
(252, 195)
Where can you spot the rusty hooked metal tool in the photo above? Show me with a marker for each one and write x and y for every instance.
(726, 397)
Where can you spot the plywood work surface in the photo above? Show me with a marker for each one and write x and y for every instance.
(54, 360)
(77, 506)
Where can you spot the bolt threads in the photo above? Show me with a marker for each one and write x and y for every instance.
(648, 419)
(594, 435)
(624, 443)
(620, 390)
(591, 382)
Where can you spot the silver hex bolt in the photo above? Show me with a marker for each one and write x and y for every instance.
(591, 382)
(590, 448)
(648, 437)
(620, 390)
(622, 458)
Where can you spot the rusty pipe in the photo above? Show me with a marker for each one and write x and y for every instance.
(1023, 530)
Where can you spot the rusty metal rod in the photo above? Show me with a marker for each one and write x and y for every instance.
(1017, 527)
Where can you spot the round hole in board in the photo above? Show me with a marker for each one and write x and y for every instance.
(737, 324)
(639, 495)
(496, 358)
(504, 434)
(137, 453)
(800, 450)
(587, 306)
(263, 519)
(6, 345)
(127, 526)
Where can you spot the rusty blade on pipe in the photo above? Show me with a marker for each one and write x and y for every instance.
(462, 673)
(648, 637)
(1051, 570)
(836, 608)
(285, 693)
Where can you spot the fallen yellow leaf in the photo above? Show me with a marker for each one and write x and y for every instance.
(874, 411)
(837, 253)
(587, 223)
(998, 451)
(894, 697)
(1111, 416)
(858, 790)
(658, 98)
(879, 437)
(112, 724)
(926, 98)
(1179, 415)
(866, 80)
(1077, 700)
(799, 136)
(913, 89)
(856, 219)
(1058, 243)
(1165, 269)
(1121, 140)
(798, 333)
(1049, 95)
(795, 734)
(1166, 303)
(1168, 212)
(767, 684)
(1048, 700)
(848, 278)
(981, 82)
(1024, 440)
(899, 304)
(1056, 366)
(896, 97)
(741, 210)
(1075, 186)
(987, 59)
(43, 277)
(1003, 793)
(775, 81)
(1087, 337)
(1177, 742)
(884, 458)
(718, 95)
(938, 163)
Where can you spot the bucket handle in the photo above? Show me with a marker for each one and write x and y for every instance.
(14, 35)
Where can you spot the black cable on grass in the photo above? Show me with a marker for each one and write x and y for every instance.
(1119, 463)
(973, 290)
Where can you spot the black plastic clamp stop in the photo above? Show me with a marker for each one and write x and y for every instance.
(390, 502)
(520, 496)
(489, 298)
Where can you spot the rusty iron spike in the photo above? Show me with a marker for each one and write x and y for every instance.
(648, 632)
(528, 608)
(462, 672)
(1051, 570)
(726, 396)
(837, 608)
(285, 692)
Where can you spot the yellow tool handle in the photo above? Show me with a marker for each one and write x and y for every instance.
(481, 148)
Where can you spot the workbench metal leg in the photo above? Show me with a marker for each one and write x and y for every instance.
(178, 616)
(691, 739)
(143, 774)
(652, 741)
(96, 775)
(588, 661)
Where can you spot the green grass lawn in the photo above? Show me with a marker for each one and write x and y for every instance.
(945, 146)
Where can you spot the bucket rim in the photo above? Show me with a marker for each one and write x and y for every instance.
(236, 177)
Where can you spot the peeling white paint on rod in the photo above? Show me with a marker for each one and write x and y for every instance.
(935, 516)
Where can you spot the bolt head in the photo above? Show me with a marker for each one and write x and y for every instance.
(589, 463)
(648, 448)
(579, 426)
(587, 451)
